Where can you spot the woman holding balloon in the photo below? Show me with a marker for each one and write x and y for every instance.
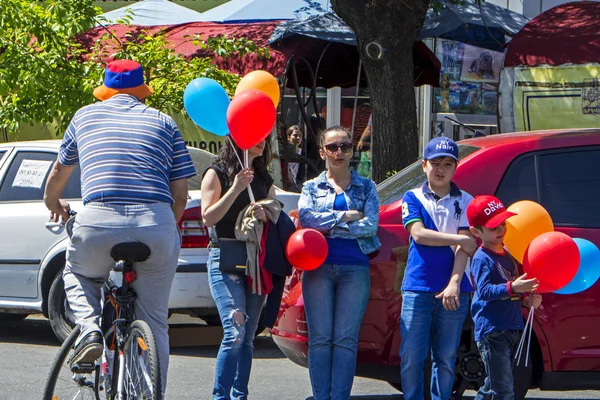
(344, 207)
(228, 187)
(224, 196)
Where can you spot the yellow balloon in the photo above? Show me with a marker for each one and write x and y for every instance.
(260, 80)
(531, 221)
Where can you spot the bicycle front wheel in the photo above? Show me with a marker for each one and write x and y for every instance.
(141, 375)
(65, 383)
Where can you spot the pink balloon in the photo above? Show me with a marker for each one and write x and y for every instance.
(250, 117)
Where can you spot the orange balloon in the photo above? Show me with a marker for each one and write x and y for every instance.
(531, 221)
(260, 80)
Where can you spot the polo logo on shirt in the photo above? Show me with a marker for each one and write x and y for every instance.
(492, 207)
(457, 209)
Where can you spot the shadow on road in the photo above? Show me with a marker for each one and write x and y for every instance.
(264, 348)
(372, 397)
(36, 330)
(32, 330)
(400, 397)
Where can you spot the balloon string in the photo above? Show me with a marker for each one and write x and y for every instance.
(520, 347)
(235, 152)
(531, 311)
(243, 165)
(528, 325)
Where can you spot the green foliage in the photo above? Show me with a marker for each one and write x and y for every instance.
(46, 75)
(40, 69)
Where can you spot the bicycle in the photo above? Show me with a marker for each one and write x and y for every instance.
(134, 372)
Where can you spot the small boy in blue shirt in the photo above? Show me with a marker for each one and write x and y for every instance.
(496, 305)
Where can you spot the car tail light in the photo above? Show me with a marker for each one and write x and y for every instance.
(193, 232)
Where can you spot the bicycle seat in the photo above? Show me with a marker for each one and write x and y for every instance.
(130, 251)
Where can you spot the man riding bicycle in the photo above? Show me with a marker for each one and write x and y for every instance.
(134, 170)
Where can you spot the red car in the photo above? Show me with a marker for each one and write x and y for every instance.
(554, 168)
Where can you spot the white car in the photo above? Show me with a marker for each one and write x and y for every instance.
(32, 248)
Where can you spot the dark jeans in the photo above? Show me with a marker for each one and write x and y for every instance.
(498, 354)
(335, 299)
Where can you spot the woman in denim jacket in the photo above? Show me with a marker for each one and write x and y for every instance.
(345, 207)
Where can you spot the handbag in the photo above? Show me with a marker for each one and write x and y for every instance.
(233, 256)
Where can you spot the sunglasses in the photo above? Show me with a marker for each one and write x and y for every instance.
(333, 148)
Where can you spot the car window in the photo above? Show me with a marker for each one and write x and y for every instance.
(519, 182)
(27, 175)
(392, 189)
(570, 187)
(202, 159)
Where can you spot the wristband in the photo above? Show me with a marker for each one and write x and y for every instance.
(509, 289)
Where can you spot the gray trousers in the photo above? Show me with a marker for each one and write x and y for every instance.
(93, 233)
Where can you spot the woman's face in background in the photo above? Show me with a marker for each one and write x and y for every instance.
(295, 137)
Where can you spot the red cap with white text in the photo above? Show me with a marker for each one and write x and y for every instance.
(487, 211)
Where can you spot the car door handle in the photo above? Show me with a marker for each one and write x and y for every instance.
(55, 227)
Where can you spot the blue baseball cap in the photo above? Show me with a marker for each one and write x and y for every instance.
(441, 147)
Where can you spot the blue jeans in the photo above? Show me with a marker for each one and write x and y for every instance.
(425, 325)
(240, 312)
(498, 354)
(335, 299)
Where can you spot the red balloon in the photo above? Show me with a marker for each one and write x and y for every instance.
(552, 258)
(306, 249)
(250, 117)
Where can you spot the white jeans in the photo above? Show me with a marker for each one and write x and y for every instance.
(93, 233)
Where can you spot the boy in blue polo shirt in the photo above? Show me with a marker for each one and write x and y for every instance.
(435, 292)
(496, 306)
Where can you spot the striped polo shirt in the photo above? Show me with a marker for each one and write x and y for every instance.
(428, 268)
(128, 152)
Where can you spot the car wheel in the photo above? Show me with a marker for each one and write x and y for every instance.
(6, 317)
(61, 317)
(469, 371)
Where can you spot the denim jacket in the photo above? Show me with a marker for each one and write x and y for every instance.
(316, 210)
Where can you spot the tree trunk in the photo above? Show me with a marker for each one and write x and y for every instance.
(389, 25)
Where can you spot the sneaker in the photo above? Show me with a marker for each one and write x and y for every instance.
(89, 349)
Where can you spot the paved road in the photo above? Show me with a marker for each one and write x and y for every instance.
(28, 347)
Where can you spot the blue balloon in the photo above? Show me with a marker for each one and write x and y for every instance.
(589, 268)
(206, 103)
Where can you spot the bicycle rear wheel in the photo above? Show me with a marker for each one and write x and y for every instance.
(63, 383)
(141, 375)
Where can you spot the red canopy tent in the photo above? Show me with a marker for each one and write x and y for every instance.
(549, 79)
(339, 70)
(564, 34)
(181, 39)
